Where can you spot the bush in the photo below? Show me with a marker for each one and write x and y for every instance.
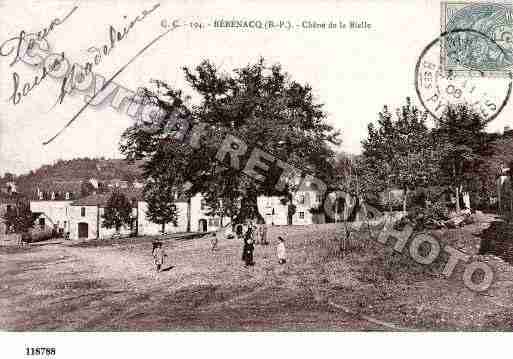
(421, 217)
(437, 211)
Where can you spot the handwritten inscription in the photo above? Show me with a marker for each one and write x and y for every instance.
(77, 72)
(34, 49)
(23, 42)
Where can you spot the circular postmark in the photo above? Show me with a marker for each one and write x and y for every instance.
(438, 87)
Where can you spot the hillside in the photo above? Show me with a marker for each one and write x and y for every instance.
(77, 170)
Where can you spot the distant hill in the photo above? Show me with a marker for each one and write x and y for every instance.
(80, 169)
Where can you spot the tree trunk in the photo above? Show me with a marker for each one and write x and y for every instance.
(458, 199)
(405, 199)
(189, 214)
(249, 209)
(457, 188)
(390, 200)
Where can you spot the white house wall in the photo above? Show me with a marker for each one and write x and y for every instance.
(146, 227)
(62, 212)
(302, 215)
(56, 211)
(265, 207)
(198, 214)
(91, 218)
(106, 233)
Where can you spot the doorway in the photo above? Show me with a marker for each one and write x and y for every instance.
(203, 225)
(83, 230)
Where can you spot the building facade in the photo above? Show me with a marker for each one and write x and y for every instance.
(302, 209)
(82, 218)
(86, 217)
(145, 227)
(200, 221)
(52, 214)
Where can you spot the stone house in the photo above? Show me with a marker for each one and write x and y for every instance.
(200, 221)
(147, 227)
(82, 217)
(275, 209)
(86, 217)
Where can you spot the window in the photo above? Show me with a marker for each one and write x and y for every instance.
(42, 223)
(213, 222)
(67, 195)
(302, 199)
(82, 211)
(204, 205)
(318, 198)
(301, 215)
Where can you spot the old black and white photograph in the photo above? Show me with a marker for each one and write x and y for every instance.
(254, 169)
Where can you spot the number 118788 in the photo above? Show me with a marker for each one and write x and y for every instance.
(39, 351)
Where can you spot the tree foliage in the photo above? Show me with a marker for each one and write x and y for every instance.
(161, 197)
(260, 105)
(463, 147)
(19, 217)
(118, 211)
(399, 152)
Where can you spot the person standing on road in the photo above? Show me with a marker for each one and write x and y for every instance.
(280, 251)
(249, 246)
(217, 236)
(155, 245)
(159, 254)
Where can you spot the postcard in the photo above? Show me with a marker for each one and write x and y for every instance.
(178, 172)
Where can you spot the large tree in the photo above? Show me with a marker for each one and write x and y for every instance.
(399, 152)
(463, 145)
(118, 211)
(161, 203)
(258, 104)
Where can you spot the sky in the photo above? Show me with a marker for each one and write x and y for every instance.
(353, 72)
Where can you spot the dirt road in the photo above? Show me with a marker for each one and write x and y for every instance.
(59, 287)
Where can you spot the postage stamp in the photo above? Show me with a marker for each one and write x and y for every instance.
(486, 49)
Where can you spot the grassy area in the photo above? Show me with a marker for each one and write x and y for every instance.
(111, 285)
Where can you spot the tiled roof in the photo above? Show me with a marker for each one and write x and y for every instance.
(61, 186)
(101, 199)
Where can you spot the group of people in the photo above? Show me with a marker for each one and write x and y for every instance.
(249, 233)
